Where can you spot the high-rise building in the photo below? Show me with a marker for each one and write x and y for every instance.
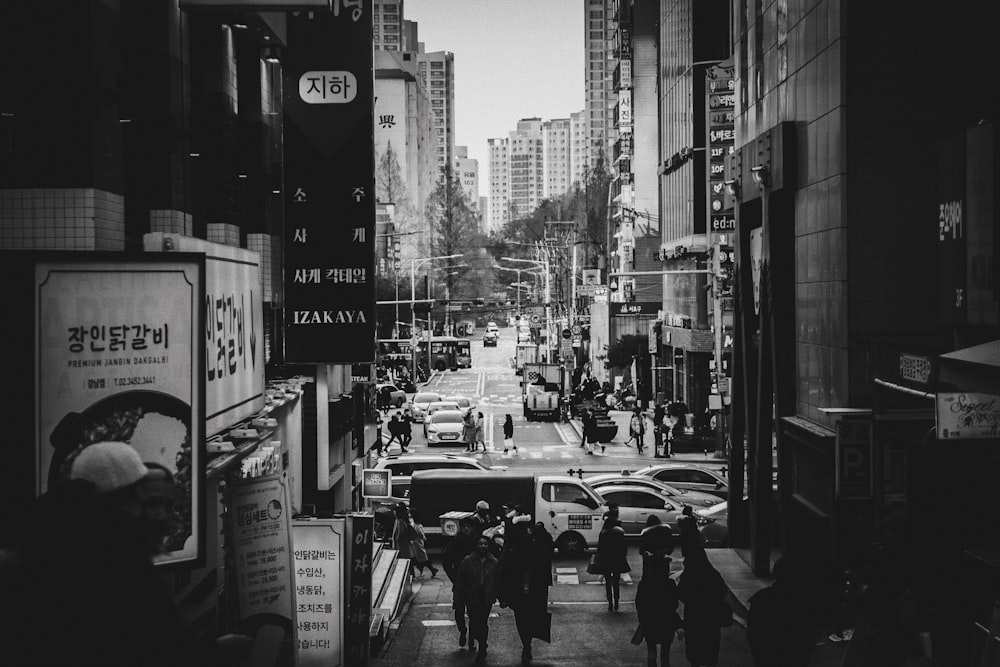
(467, 171)
(498, 211)
(437, 71)
(598, 70)
(527, 166)
(388, 25)
(556, 146)
(578, 147)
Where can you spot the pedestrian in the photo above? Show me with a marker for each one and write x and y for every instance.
(612, 555)
(460, 546)
(406, 429)
(378, 446)
(637, 429)
(525, 577)
(655, 537)
(480, 434)
(659, 412)
(92, 595)
(469, 431)
(656, 601)
(408, 539)
(589, 431)
(508, 434)
(483, 520)
(689, 535)
(703, 592)
(384, 399)
(780, 626)
(475, 588)
(395, 434)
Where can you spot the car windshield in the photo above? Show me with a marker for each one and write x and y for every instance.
(426, 398)
(446, 417)
(441, 405)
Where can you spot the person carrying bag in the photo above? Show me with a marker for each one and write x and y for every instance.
(508, 434)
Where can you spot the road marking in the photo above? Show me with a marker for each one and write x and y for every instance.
(568, 578)
(565, 570)
(437, 624)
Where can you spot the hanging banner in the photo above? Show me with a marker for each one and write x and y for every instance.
(361, 530)
(967, 416)
(120, 356)
(259, 529)
(329, 187)
(319, 592)
(234, 328)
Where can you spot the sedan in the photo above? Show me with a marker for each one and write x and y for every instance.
(714, 524)
(445, 427)
(418, 406)
(435, 407)
(637, 503)
(463, 402)
(689, 477)
(683, 496)
(396, 395)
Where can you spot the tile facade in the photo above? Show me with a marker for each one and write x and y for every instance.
(61, 219)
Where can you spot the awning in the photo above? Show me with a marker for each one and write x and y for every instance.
(975, 368)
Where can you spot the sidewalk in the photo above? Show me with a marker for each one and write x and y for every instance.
(622, 418)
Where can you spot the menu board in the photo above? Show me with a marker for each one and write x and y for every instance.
(319, 600)
(258, 524)
(119, 357)
(329, 187)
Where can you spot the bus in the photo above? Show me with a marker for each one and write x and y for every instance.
(448, 352)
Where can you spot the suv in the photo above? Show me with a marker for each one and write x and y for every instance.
(490, 339)
(491, 327)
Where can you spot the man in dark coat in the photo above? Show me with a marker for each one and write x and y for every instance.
(612, 551)
(525, 577)
(476, 587)
(460, 546)
(780, 627)
(656, 601)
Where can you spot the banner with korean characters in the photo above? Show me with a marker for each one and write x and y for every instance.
(119, 356)
(319, 592)
(361, 534)
(720, 88)
(967, 416)
(329, 185)
(259, 520)
(234, 328)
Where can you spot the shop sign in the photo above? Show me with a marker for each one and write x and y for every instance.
(361, 531)
(967, 416)
(635, 308)
(723, 223)
(319, 599)
(376, 484)
(234, 328)
(329, 188)
(120, 356)
(591, 276)
(854, 459)
(261, 550)
(625, 107)
(915, 368)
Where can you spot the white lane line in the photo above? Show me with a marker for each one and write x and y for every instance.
(565, 570)
(568, 578)
(437, 624)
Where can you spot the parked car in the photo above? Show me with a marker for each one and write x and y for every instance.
(418, 406)
(683, 496)
(714, 524)
(397, 397)
(687, 476)
(490, 339)
(445, 427)
(637, 503)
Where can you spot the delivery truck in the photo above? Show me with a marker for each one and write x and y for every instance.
(542, 390)
(570, 510)
(525, 353)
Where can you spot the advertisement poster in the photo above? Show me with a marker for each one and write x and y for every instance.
(361, 528)
(329, 242)
(258, 523)
(319, 597)
(234, 328)
(119, 357)
(967, 415)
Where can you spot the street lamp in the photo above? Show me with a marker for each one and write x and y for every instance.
(413, 297)
(519, 272)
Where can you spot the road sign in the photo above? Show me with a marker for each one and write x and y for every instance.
(576, 329)
(566, 333)
(536, 319)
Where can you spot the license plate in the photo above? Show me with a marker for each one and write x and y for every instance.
(449, 436)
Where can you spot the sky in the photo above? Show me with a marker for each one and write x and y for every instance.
(513, 59)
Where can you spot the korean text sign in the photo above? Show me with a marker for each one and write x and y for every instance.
(330, 187)
(319, 598)
(359, 599)
(376, 483)
(119, 357)
(234, 328)
(967, 415)
(259, 526)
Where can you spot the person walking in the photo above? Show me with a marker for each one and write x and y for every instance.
(656, 601)
(480, 434)
(637, 429)
(703, 592)
(655, 537)
(659, 412)
(525, 577)
(483, 520)
(395, 434)
(469, 431)
(406, 429)
(508, 434)
(408, 539)
(460, 546)
(475, 588)
(589, 424)
(378, 446)
(780, 626)
(612, 552)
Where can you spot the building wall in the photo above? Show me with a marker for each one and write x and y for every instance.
(578, 148)
(527, 166)
(557, 140)
(437, 71)
(388, 26)
(499, 207)
(467, 170)
(597, 77)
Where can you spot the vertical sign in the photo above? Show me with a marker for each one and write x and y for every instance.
(854, 459)
(950, 221)
(359, 599)
(319, 598)
(259, 525)
(720, 88)
(330, 186)
(119, 356)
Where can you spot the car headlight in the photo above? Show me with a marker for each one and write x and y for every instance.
(703, 520)
(432, 428)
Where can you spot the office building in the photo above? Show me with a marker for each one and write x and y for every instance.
(437, 72)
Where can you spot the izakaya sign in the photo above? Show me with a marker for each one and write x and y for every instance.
(330, 187)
